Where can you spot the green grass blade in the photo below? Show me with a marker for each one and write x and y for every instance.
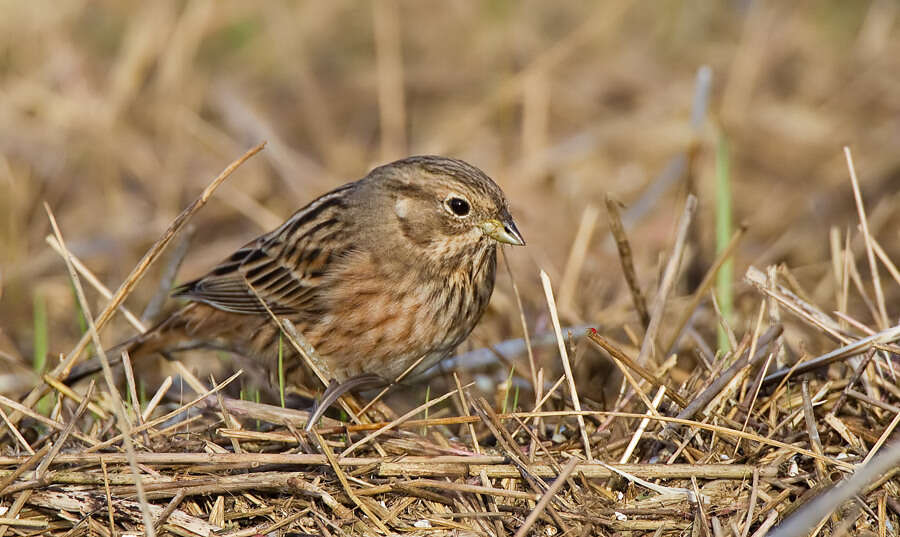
(281, 368)
(41, 346)
(40, 334)
(427, 398)
(724, 219)
(508, 387)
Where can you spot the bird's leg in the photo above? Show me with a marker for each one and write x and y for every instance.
(335, 390)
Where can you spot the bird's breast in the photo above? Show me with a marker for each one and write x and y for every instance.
(382, 317)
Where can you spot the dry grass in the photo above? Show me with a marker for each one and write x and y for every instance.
(680, 413)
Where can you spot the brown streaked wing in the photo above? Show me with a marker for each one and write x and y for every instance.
(283, 267)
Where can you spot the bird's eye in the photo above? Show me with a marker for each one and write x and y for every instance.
(458, 206)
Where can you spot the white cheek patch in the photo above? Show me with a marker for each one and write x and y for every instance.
(401, 207)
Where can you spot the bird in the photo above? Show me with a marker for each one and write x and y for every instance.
(383, 275)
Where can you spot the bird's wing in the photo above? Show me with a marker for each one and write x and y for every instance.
(285, 268)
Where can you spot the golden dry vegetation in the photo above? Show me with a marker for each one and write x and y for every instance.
(118, 114)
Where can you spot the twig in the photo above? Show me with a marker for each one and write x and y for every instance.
(796, 305)
(767, 524)
(164, 287)
(73, 395)
(63, 368)
(123, 422)
(814, 441)
(132, 391)
(16, 434)
(700, 292)
(156, 421)
(27, 464)
(626, 259)
(46, 461)
(852, 349)
(546, 497)
(157, 397)
(752, 505)
(398, 421)
(700, 402)
(96, 283)
(882, 255)
(111, 512)
(642, 427)
(758, 384)
(883, 438)
(852, 382)
(526, 337)
(508, 444)
(479, 358)
(332, 460)
(448, 485)
(882, 319)
(465, 407)
(44, 420)
(805, 518)
(617, 354)
(494, 467)
(573, 392)
(668, 279)
(269, 527)
(577, 253)
(872, 401)
(690, 495)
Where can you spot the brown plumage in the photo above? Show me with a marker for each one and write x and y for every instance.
(377, 274)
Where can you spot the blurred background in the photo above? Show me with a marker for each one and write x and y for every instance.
(117, 114)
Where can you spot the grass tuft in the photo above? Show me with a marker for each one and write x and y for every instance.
(120, 114)
(281, 385)
(724, 224)
(41, 345)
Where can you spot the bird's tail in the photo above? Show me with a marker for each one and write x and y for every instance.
(173, 333)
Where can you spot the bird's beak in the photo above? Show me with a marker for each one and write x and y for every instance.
(505, 232)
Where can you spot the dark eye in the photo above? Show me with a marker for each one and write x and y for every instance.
(458, 206)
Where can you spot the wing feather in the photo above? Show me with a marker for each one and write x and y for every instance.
(284, 267)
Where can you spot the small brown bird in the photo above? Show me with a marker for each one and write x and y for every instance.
(377, 275)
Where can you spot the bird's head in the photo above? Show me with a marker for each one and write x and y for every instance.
(444, 207)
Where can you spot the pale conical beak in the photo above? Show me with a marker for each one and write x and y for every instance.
(505, 232)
